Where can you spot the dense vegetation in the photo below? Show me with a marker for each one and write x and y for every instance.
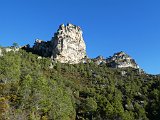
(31, 88)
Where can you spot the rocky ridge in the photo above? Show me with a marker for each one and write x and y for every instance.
(118, 60)
(121, 60)
(68, 46)
(99, 60)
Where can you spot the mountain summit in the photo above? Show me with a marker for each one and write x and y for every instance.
(67, 45)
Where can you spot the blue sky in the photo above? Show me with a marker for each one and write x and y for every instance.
(108, 26)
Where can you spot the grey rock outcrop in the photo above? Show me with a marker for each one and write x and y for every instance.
(67, 45)
(1, 52)
(99, 60)
(121, 60)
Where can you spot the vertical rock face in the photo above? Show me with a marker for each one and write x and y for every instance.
(68, 45)
(121, 60)
(1, 52)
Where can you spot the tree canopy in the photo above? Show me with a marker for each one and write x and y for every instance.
(30, 89)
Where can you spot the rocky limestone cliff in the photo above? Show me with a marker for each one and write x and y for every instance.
(68, 44)
(121, 60)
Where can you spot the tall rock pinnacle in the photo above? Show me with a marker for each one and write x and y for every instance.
(68, 45)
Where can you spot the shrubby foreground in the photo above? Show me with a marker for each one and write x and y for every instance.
(33, 88)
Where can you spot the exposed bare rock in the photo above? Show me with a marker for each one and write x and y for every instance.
(86, 60)
(1, 52)
(99, 60)
(123, 73)
(11, 49)
(68, 44)
(8, 49)
(121, 60)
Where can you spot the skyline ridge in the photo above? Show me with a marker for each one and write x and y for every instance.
(108, 26)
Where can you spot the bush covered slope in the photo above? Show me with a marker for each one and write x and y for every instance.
(31, 88)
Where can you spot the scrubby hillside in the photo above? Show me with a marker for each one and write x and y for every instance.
(33, 88)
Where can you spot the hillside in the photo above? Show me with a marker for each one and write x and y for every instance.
(35, 88)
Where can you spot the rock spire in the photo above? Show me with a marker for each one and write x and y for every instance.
(66, 46)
